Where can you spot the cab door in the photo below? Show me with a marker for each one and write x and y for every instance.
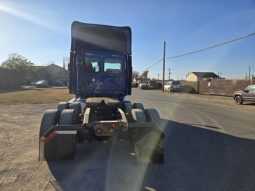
(252, 94)
(249, 94)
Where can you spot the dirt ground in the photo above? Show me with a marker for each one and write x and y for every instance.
(19, 165)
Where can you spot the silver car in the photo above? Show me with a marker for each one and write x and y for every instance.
(248, 94)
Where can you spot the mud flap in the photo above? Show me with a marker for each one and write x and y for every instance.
(147, 145)
(59, 145)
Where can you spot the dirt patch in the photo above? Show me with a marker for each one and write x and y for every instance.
(19, 165)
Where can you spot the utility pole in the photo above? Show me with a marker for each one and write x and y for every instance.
(249, 72)
(164, 62)
(169, 73)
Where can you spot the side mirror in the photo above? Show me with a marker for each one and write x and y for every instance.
(246, 91)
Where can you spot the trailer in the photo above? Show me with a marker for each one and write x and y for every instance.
(100, 76)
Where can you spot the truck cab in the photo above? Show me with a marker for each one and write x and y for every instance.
(96, 70)
(100, 76)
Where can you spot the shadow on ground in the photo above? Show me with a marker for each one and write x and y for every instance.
(249, 103)
(195, 159)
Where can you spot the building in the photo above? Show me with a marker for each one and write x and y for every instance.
(201, 76)
(57, 72)
(53, 73)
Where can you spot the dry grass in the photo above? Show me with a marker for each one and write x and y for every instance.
(35, 96)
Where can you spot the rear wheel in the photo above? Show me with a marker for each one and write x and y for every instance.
(138, 115)
(66, 117)
(76, 106)
(128, 107)
(138, 106)
(146, 141)
(152, 115)
(50, 118)
(62, 106)
(238, 100)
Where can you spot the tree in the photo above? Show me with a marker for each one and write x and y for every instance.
(18, 63)
(135, 74)
(145, 74)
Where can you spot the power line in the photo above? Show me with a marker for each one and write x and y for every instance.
(156, 63)
(204, 49)
(211, 47)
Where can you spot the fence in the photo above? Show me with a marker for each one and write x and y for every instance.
(218, 87)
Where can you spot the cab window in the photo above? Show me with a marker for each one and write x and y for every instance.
(91, 64)
(112, 65)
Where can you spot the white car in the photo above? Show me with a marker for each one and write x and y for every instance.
(172, 86)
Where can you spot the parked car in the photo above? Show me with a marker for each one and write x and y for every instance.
(42, 84)
(153, 84)
(143, 86)
(172, 86)
(248, 94)
(159, 85)
(33, 83)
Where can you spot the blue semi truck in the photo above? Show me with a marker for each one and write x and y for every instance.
(100, 76)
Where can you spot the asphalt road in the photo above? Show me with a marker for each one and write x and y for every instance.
(208, 146)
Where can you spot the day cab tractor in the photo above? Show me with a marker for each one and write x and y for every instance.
(100, 76)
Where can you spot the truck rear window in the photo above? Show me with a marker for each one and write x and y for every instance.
(91, 65)
(112, 65)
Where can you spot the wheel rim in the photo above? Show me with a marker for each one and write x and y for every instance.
(238, 99)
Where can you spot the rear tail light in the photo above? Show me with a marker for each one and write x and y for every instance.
(112, 128)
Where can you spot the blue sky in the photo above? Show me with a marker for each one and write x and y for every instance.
(40, 31)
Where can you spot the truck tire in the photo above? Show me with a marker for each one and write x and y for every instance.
(152, 115)
(62, 106)
(60, 147)
(138, 115)
(239, 100)
(128, 107)
(67, 117)
(50, 118)
(138, 106)
(76, 106)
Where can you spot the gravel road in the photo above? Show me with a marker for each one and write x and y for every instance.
(209, 145)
